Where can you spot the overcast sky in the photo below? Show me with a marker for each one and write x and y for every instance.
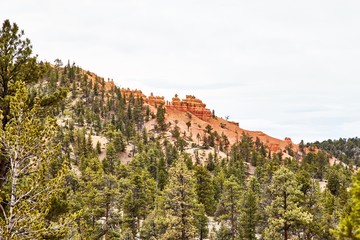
(287, 68)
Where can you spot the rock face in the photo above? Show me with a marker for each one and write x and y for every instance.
(109, 85)
(273, 147)
(155, 100)
(135, 93)
(288, 140)
(190, 104)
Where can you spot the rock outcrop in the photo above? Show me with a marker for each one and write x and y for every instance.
(288, 141)
(109, 85)
(135, 93)
(155, 100)
(190, 104)
(197, 108)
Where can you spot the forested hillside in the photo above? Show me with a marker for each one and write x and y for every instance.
(81, 159)
(346, 150)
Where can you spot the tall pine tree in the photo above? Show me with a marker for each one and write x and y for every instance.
(284, 211)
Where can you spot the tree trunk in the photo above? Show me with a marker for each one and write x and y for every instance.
(285, 224)
(13, 198)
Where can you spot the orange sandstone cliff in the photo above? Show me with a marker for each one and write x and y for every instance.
(192, 105)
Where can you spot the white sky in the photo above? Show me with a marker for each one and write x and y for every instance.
(288, 68)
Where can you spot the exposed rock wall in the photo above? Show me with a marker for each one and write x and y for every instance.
(190, 104)
(135, 93)
(155, 100)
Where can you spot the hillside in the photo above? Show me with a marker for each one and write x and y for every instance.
(129, 166)
(83, 159)
(193, 110)
(345, 150)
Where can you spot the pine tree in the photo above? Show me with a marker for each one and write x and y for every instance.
(111, 162)
(180, 203)
(96, 199)
(284, 211)
(160, 117)
(228, 209)
(16, 63)
(30, 186)
(349, 227)
(98, 147)
(155, 224)
(311, 201)
(249, 215)
(205, 189)
(138, 199)
(201, 222)
(119, 143)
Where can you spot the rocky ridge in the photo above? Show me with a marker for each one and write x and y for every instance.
(177, 111)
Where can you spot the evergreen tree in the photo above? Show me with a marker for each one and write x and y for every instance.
(180, 203)
(311, 201)
(284, 211)
(160, 117)
(349, 227)
(155, 224)
(98, 147)
(111, 162)
(29, 186)
(228, 209)
(97, 197)
(205, 189)
(249, 216)
(201, 222)
(138, 199)
(16, 63)
(119, 143)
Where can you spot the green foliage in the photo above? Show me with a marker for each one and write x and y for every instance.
(201, 222)
(160, 117)
(284, 211)
(249, 216)
(205, 189)
(111, 162)
(97, 199)
(161, 192)
(346, 150)
(16, 63)
(30, 188)
(180, 203)
(228, 209)
(138, 199)
(349, 227)
(315, 164)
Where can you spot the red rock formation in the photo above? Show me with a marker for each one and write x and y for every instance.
(198, 108)
(155, 100)
(191, 104)
(288, 141)
(273, 147)
(136, 93)
(109, 85)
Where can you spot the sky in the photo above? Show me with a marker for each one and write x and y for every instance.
(287, 68)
